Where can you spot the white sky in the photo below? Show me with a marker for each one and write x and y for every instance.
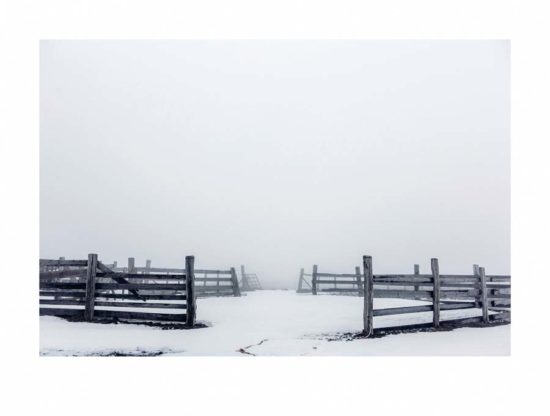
(277, 154)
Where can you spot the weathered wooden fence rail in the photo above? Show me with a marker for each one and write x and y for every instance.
(208, 283)
(490, 293)
(89, 290)
(336, 283)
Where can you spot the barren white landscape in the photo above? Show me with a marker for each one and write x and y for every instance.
(274, 323)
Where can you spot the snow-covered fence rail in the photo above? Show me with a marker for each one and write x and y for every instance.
(88, 290)
(208, 282)
(336, 283)
(445, 292)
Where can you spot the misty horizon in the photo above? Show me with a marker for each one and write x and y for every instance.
(277, 154)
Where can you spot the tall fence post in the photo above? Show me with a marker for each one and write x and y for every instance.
(435, 293)
(368, 296)
(131, 265)
(416, 273)
(484, 305)
(359, 281)
(246, 286)
(235, 282)
(90, 287)
(314, 280)
(147, 266)
(476, 274)
(190, 290)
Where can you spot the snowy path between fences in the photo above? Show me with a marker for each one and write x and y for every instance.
(274, 323)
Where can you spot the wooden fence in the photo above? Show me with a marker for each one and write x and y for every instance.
(304, 284)
(336, 283)
(490, 293)
(249, 281)
(88, 290)
(208, 283)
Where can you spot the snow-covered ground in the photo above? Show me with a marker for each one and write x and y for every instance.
(274, 323)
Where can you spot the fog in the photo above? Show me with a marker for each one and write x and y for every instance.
(277, 154)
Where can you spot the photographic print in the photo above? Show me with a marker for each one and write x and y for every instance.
(274, 198)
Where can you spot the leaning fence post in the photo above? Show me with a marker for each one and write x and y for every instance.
(368, 296)
(235, 282)
(314, 280)
(190, 290)
(484, 305)
(435, 293)
(359, 282)
(90, 287)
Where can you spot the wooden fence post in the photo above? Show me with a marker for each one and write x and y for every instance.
(484, 305)
(314, 280)
(476, 274)
(435, 293)
(147, 266)
(300, 280)
(235, 282)
(131, 265)
(114, 264)
(245, 285)
(368, 296)
(416, 273)
(90, 287)
(359, 281)
(190, 290)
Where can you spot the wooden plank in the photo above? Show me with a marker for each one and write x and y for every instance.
(403, 294)
(448, 306)
(141, 286)
(101, 295)
(402, 310)
(59, 274)
(190, 290)
(90, 287)
(64, 263)
(340, 282)
(142, 316)
(213, 279)
(436, 294)
(368, 298)
(300, 280)
(346, 275)
(150, 276)
(131, 265)
(235, 282)
(80, 302)
(103, 268)
(62, 312)
(484, 301)
(314, 280)
(142, 305)
(63, 293)
(338, 289)
(359, 281)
